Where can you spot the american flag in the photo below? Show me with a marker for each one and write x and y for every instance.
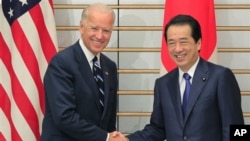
(27, 43)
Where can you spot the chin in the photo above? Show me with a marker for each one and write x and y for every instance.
(180, 64)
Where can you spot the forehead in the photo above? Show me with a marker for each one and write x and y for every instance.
(100, 18)
(178, 29)
(176, 32)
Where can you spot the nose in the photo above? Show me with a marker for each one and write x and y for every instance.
(178, 48)
(99, 34)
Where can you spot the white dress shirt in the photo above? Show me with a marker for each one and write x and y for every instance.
(182, 81)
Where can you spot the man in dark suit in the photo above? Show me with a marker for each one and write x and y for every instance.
(214, 101)
(74, 109)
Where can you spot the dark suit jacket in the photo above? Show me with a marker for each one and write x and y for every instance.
(73, 111)
(214, 103)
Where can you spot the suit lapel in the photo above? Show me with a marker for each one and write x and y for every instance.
(199, 81)
(106, 73)
(174, 91)
(87, 74)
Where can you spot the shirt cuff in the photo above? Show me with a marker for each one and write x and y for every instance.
(107, 139)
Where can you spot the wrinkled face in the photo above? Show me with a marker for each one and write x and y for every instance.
(182, 47)
(96, 32)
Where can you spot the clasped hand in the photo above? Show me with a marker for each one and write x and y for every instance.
(117, 136)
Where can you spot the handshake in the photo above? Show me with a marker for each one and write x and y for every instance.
(117, 136)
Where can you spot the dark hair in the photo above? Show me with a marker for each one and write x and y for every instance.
(185, 20)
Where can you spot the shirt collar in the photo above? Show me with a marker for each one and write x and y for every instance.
(87, 53)
(190, 71)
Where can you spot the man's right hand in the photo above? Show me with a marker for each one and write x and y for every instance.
(117, 136)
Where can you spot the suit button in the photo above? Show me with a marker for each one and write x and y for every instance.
(185, 138)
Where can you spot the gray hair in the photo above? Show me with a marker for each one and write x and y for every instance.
(98, 6)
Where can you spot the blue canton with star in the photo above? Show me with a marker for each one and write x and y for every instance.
(13, 9)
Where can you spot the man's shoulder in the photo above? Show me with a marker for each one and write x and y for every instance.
(169, 75)
(106, 59)
(216, 67)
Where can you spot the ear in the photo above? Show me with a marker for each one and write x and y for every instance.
(81, 27)
(198, 44)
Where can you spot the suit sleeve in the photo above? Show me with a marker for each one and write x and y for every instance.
(229, 101)
(112, 125)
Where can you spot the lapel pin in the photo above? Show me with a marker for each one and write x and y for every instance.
(106, 73)
(203, 78)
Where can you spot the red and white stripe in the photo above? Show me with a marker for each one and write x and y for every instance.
(25, 50)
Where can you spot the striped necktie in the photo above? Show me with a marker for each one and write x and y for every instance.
(98, 76)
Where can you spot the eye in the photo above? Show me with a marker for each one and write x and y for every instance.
(94, 28)
(171, 43)
(184, 42)
(106, 30)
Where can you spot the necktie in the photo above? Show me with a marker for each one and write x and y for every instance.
(187, 77)
(98, 76)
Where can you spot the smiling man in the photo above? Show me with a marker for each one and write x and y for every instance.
(81, 84)
(198, 100)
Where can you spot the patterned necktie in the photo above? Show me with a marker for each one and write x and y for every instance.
(187, 77)
(97, 72)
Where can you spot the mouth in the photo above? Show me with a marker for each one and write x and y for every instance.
(96, 42)
(179, 56)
